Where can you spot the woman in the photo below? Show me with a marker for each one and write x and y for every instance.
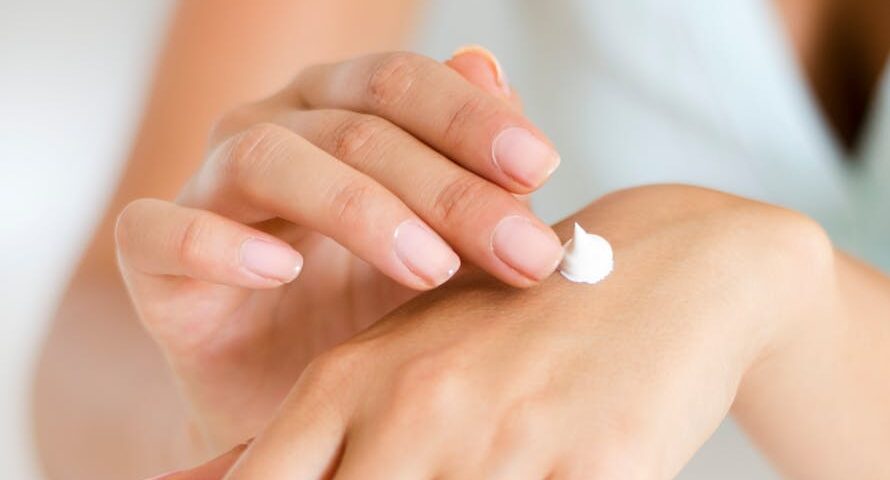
(716, 301)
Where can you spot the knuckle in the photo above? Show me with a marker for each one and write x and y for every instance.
(428, 387)
(250, 151)
(356, 135)
(190, 245)
(467, 116)
(393, 77)
(334, 366)
(349, 202)
(459, 197)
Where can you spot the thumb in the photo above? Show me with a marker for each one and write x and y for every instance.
(215, 469)
(481, 68)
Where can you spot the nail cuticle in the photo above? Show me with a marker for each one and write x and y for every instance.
(524, 240)
(414, 243)
(523, 157)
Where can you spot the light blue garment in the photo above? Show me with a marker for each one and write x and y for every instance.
(693, 91)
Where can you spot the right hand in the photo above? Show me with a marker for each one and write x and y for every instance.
(379, 171)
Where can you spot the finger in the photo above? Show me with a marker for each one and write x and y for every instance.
(279, 174)
(433, 103)
(390, 449)
(481, 68)
(482, 221)
(212, 470)
(522, 447)
(518, 461)
(306, 439)
(159, 238)
(382, 462)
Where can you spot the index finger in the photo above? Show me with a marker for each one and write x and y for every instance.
(438, 106)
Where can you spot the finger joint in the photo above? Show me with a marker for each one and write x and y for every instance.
(349, 200)
(393, 78)
(250, 152)
(466, 117)
(355, 136)
(453, 201)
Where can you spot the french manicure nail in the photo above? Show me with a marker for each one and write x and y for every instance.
(424, 253)
(526, 247)
(523, 156)
(270, 260)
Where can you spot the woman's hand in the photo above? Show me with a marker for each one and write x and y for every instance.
(624, 379)
(378, 171)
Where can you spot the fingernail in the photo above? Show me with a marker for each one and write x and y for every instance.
(499, 75)
(424, 253)
(526, 247)
(270, 260)
(524, 157)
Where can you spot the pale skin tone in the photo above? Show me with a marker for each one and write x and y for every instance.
(605, 386)
(231, 353)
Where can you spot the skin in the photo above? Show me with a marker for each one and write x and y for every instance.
(236, 340)
(577, 381)
(203, 74)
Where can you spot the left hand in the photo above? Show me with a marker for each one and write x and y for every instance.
(624, 379)
(212, 277)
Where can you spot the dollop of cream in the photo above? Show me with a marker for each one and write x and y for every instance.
(588, 258)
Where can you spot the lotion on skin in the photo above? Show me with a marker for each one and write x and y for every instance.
(588, 258)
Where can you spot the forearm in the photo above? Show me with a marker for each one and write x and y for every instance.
(219, 55)
(105, 404)
(820, 406)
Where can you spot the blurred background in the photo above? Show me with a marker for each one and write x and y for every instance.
(73, 79)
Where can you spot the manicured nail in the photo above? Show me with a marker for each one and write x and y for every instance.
(499, 76)
(524, 157)
(424, 253)
(526, 247)
(270, 260)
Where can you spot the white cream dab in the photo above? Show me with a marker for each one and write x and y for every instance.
(588, 258)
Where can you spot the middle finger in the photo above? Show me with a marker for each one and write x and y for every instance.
(483, 222)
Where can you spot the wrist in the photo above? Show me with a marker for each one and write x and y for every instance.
(800, 289)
